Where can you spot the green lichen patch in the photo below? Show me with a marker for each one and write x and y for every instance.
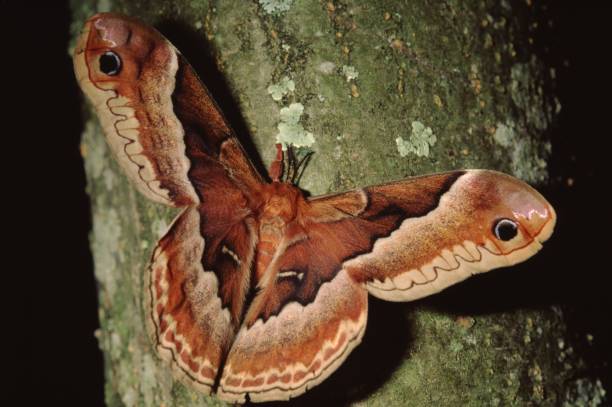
(350, 73)
(327, 67)
(421, 139)
(290, 131)
(280, 89)
(275, 6)
(504, 135)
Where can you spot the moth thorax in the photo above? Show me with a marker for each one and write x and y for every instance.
(281, 203)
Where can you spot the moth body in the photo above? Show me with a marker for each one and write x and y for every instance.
(278, 224)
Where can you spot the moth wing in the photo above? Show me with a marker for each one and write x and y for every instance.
(428, 233)
(291, 342)
(198, 279)
(160, 121)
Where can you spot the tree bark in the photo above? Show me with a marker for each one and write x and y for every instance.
(388, 90)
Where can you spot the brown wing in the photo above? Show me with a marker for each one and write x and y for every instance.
(400, 241)
(156, 114)
(175, 145)
(454, 233)
(191, 320)
(283, 355)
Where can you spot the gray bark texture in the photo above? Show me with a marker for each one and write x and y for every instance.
(380, 90)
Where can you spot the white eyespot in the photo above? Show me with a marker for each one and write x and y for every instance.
(505, 229)
(110, 63)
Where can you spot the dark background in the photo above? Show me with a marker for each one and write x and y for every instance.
(58, 359)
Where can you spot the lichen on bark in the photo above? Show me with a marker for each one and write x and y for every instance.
(363, 72)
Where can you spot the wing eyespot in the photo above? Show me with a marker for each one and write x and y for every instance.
(505, 229)
(110, 63)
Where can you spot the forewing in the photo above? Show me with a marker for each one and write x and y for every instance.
(156, 114)
(439, 230)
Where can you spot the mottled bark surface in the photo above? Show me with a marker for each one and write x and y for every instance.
(381, 91)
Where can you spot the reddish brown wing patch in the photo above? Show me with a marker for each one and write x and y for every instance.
(199, 276)
(454, 239)
(152, 107)
(188, 324)
(335, 229)
(208, 133)
(297, 348)
(134, 105)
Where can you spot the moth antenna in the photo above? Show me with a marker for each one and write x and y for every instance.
(290, 164)
(301, 166)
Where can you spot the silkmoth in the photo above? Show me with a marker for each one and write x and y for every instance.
(256, 289)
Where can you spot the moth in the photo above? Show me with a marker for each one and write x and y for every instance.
(257, 290)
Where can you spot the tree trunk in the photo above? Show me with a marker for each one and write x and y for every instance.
(388, 90)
